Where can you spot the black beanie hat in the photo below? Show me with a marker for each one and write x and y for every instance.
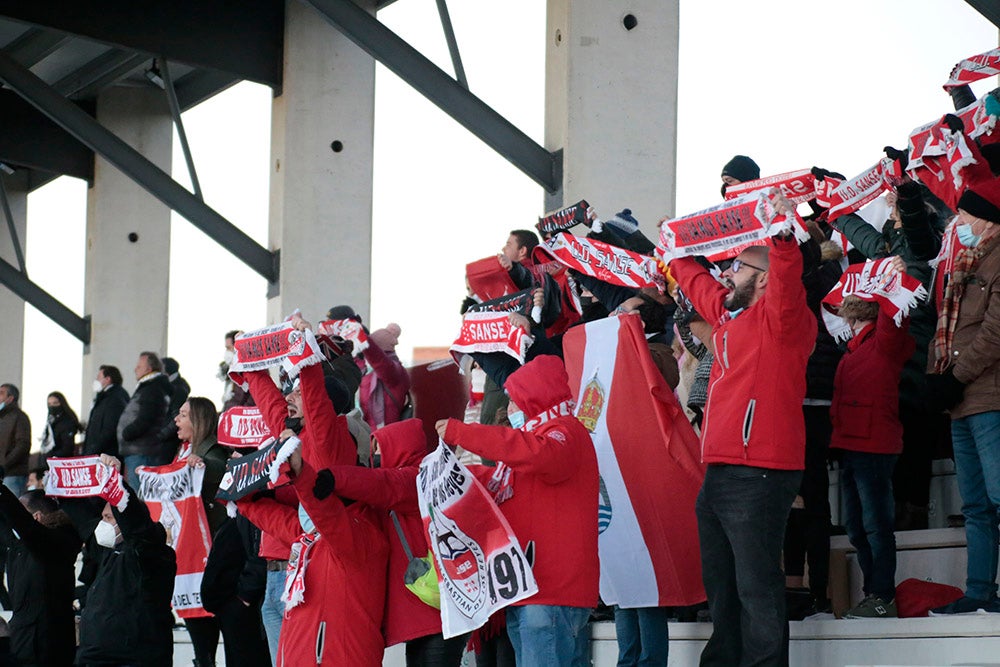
(982, 200)
(339, 396)
(742, 168)
(342, 313)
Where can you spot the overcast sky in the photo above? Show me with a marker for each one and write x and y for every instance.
(790, 83)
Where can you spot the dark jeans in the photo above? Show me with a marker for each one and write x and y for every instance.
(742, 512)
(643, 637)
(435, 651)
(911, 481)
(807, 534)
(204, 632)
(870, 516)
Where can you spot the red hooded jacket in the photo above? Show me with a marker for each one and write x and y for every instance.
(865, 409)
(754, 412)
(320, 417)
(394, 487)
(555, 483)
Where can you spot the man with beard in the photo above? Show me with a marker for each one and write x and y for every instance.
(753, 440)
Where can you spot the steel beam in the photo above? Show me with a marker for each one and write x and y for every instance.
(175, 113)
(29, 139)
(12, 227)
(34, 45)
(48, 305)
(988, 8)
(196, 87)
(102, 71)
(435, 84)
(449, 36)
(244, 38)
(154, 180)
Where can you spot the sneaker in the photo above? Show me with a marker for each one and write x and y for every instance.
(966, 605)
(873, 607)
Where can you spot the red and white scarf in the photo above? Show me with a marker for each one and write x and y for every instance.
(563, 219)
(973, 69)
(277, 345)
(518, 302)
(242, 427)
(490, 332)
(797, 186)
(875, 280)
(295, 573)
(501, 482)
(85, 477)
(724, 230)
(842, 197)
(603, 261)
(347, 329)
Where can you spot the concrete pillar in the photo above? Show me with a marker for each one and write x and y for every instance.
(128, 240)
(611, 104)
(322, 145)
(11, 305)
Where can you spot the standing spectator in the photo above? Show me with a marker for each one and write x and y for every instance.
(41, 548)
(965, 360)
(15, 439)
(553, 505)
(127, 618)
(753, 440)
(144, 416)
(228, 357)
(384, 391)
(110, 399)
(179, 392)
(866, 427)
(61, 427)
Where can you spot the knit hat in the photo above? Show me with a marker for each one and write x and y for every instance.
(386, 338)
(170, 365)
(624, 222)
(982, 200)
(339, 395)
(742, 168)
(342, 313)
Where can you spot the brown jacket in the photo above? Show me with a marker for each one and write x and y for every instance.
(976, 346)
(15, 441)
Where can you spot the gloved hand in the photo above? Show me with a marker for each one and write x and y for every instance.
(895, 154)
(945, 390)
(821, 174)
(953, 122)
(324, 484)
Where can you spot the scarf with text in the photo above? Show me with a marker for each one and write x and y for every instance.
(347, 329)
(876, 280)
(256, 471)
(946, 161)
(277, 345)
(295, 573)
(490, 332)
(603, 261)
(242, 427)
(563, 219)
(518, 302)
(973, 69)
(797, 186)
(724, 230)
(850, 195)
(85, 477)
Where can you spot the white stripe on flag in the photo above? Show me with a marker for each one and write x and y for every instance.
(627, 575)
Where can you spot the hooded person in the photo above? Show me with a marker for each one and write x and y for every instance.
(384, 391)
(392, 489)
(549, 497)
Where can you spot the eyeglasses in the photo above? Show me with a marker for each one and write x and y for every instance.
(739, 263)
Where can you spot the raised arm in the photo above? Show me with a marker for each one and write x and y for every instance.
(269, 400)
(383, 488)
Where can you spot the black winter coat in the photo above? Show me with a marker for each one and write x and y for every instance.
(819, 277)
(234, 568)
(144, 416)
(40, 575)
(127, 619)
(102, 427)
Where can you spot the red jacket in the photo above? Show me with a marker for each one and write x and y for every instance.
(754, 412)
(320, 418)
(339, 620)
(394, 487)
(865, 408)
(555, 484)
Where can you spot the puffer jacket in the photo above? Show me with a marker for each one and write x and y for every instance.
(393, 487)
(144, 416)
(555, 482)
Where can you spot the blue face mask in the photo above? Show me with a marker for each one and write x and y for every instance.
(305, 521)
(516, 419)
(966, 237)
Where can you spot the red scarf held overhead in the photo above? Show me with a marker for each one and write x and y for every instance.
(563, 219)
(797, 186)
(974, 68)
(490, 332)
(83, 477)
(603, 261)
(875, 280)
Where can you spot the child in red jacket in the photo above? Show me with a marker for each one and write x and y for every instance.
(866, 427)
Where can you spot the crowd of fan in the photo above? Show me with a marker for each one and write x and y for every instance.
(743, 343)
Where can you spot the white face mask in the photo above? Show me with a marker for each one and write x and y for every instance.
(105, 534)
(97, 386)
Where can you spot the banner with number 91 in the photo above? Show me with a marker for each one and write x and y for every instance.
(480, 565)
